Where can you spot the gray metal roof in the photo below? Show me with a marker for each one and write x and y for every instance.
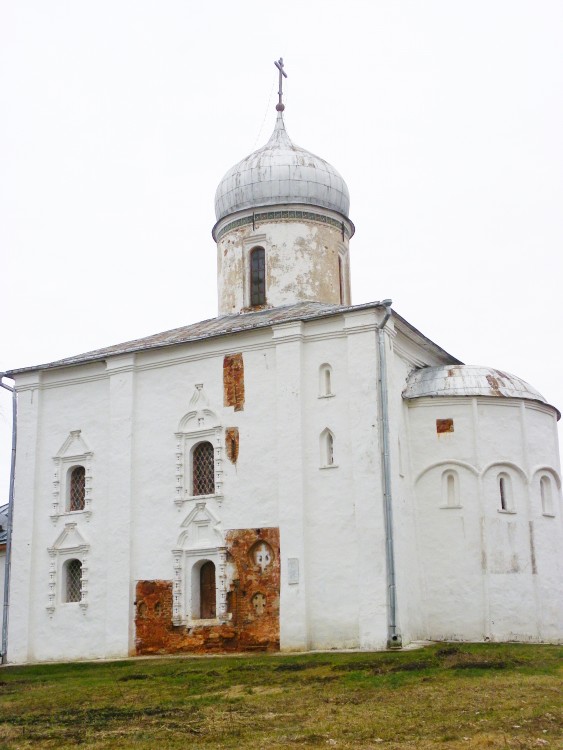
(468, 380)
(222, 326)
(279, 173)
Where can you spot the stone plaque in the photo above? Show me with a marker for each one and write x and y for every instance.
(293, 570)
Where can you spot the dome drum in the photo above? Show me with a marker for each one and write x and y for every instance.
(283, 212)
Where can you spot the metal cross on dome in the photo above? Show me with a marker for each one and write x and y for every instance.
(280, 106)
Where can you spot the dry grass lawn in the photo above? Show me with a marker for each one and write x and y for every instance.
(445, 695)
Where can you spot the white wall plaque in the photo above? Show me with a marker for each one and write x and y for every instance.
(293, 570)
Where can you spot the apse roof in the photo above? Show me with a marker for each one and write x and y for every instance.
(281, 173)
(468, 380)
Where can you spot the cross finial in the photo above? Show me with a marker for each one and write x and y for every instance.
(280, 106)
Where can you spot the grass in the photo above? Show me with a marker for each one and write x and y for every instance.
(446, 695)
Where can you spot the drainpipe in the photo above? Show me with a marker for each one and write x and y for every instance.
(10, 516)
(394, 639)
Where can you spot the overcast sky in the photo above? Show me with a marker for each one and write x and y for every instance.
(119, 118)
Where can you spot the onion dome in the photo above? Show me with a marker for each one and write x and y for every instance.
(468, 380)
(279, 173)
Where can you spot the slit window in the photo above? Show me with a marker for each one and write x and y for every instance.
(546, 496)
(77, 490)
(450, 489)
(505, 493)
(257, 276)
(203, 469)
(341, 279)
(327, 448)
(325, 380)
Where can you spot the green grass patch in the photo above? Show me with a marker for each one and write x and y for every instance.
(445, 695)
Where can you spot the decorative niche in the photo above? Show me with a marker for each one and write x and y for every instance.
(199, 452)
(72, 478)
(200, 549)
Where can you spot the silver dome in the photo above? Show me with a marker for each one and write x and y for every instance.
(468, 380)
(281, 172)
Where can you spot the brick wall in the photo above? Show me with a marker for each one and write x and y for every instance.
(253, 604)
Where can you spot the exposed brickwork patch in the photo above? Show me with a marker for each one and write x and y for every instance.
(253, 604)
(232, 444)
(444, 425)
(233, 381)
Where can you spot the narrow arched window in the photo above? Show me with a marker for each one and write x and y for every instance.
(327, 448)
(341, 279)
(203, 469)
(72, 581)
(325, 380)
(207, 596)
(450, 489)
(505, 492)
(77, 490)
(257, 276)
(546, 496)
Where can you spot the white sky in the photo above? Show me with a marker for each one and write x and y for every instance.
(119, 118)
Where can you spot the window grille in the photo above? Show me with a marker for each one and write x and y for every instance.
(258, 276)
(77, 488)
(73, 581)
(203, 469)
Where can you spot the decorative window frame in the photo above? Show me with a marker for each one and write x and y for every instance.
(69, 545)
(200, 424)
(73, 452)
(201, 540)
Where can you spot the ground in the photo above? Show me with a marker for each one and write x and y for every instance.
(445, 695)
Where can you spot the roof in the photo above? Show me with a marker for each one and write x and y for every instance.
(279, 173)
(222, 326)
(468, 380)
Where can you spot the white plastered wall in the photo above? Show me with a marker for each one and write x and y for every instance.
(487, 573)
(301, 259)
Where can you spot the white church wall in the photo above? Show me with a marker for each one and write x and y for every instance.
(47, 416)
(251, 484)
(450, 560)
(343, 513)
(404, 353)
(309, 463)
(498, 530)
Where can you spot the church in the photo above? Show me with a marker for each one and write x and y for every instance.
(297, 473)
